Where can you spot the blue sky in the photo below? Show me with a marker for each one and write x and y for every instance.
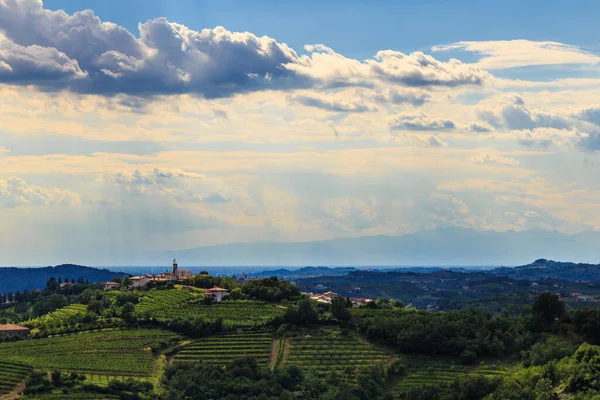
(360, 28)
(131, 127)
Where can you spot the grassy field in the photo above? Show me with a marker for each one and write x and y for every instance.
(222, 349)
(11, 374)
(325, 350)
(423, 370)
(116, 353)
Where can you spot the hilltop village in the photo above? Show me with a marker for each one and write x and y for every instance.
(217, 294)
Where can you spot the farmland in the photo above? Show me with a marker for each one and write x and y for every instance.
(423, 370)
(327, 349)
(60, 316)
(154, 301)
(113, 353)
(222, 349)
(11, 374)
(170, 304)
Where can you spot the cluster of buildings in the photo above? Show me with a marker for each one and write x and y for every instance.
(582, 297)
(177, 274)
(328, 297)
(143, 280)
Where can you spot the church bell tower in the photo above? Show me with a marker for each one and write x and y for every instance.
(174, 267)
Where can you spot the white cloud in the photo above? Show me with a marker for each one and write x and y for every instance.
(45, 66)
(402, 96)
(333, 103)
(518, 53)
(157, 175)
(391, 67)
(420, 122)
(488, 158)
(514, 114)
(15, 192)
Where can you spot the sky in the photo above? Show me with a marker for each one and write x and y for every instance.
(128, 127)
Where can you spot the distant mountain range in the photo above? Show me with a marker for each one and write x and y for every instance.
(13, 279)
(440, 247)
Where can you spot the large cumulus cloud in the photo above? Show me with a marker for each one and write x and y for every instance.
(55, 50)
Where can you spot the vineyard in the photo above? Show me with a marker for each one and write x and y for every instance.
(60, 316)
(175, 303)
(11, 374)
(222, 349)
(116, 353)
(327, 350)
(422, 370)
(155, 301)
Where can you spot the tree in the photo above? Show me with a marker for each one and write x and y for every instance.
(547, 307)
(116, 279)
(271, 289)
(94, 306)
(51, 284)
(339, 310)
(126, 281)
(236, 294)
(303, 314)
(56, 377)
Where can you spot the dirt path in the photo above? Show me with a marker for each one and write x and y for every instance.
(274, 352)
(15, 394)
(286, 350)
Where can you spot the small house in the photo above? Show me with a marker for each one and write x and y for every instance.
(359, 301)
(216, 293)
(110, 285)
(7, 330)
(326, 297)
(139, 281)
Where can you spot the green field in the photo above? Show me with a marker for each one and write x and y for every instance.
(327, 349)
(222, 349)
(423, 370)
(11, 374)
(117, 353)
(176, 303)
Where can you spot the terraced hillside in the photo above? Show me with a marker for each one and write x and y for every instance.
(11, 374)
(60, 316)
(154, 301)
(327, 349)
(176, 303)
(222, 349)
(422, 370)
(114, 353)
